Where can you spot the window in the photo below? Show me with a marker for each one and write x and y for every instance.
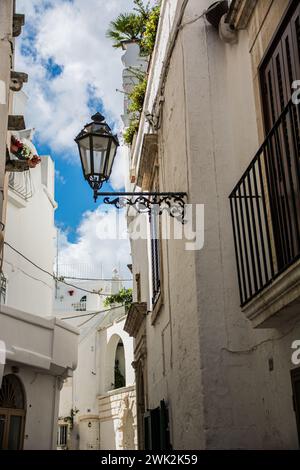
(281, 67)
(62, 435)
(3, 288)
(81, 305)
(155, 257)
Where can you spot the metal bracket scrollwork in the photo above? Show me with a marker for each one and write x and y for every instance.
(151, 203)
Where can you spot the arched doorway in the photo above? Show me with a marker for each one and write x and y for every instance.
(12, 413)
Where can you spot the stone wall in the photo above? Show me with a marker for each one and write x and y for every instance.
(117, 417)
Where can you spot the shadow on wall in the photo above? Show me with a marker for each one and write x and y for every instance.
(127, 427)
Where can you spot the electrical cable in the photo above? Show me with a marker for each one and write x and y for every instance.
(95, 279)
(91, 313)
(265, 341)
(89, 319)
(86, 321)
(55, 277)
(13, 267)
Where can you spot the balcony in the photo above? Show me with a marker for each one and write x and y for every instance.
(135, 317)
(20, 183)
(79, 306)
(265, 209)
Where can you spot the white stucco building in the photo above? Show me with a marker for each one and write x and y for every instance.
(98, 404)
(214, 348)
(30, 205)
(37, 350)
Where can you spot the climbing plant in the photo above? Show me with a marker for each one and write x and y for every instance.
(124, 296)
(131, 130)
(137, 96)
(149, 35)
(140, 26)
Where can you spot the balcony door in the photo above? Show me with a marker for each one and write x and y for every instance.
(12, 413)
(280, 68)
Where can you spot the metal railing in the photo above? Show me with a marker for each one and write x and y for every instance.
(79, 306)
(265, 208)
(20, 183)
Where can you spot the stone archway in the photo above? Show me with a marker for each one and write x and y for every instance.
(115, 364)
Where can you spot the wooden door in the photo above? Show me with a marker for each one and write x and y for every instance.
(11, 429)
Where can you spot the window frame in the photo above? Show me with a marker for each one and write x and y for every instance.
(65, 435)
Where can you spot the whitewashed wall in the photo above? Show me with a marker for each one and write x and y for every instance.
(30, 230)
(94, 378)
(37, 350)
(219, 396)
(42, 396)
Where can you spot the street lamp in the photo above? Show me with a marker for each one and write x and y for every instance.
(97, 149)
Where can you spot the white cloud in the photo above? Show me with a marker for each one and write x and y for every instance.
(59, 177)
(102, 241)
(72, 35)
(120, 168)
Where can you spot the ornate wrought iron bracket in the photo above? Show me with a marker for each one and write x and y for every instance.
(151, 203)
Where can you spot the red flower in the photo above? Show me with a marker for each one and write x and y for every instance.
(19, 144)
(16, 143)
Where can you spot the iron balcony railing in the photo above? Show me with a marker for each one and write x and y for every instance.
(20, 183)
(79, 306)
(265, 208)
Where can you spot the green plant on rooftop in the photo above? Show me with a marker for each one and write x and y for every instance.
(137, 96)
(141, 26)
(130, 131)
(124, 296)
(149, 35)
(129, 26)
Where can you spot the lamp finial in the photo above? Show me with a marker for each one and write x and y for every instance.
(98, 117)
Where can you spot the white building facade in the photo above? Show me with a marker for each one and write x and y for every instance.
(98, 404)
(37, 350)
(220, 375)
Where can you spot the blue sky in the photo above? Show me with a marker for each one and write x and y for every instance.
(73, 72)
(72, 192)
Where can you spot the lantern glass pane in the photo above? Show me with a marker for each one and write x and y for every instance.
(111, 157)
(84, 146)
(100, 145)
